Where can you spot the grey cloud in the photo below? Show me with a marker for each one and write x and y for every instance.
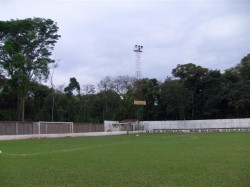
(98, 36)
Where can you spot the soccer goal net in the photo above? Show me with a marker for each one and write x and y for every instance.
(45, 127)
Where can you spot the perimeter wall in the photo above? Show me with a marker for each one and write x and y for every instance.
(188, 124)
(21, 128)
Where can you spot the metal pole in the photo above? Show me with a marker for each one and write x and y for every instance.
(39, 130)
(16, 128)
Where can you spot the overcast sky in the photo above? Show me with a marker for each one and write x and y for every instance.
(98, 37)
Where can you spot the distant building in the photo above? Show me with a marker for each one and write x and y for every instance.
(124, 125)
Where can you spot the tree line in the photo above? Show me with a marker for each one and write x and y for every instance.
(192, 92)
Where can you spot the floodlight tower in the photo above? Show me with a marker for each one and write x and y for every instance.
(138, 50)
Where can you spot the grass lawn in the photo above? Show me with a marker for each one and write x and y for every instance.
(202, 159)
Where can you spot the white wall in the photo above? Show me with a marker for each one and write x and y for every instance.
(108, 126)
(34, 136)
(188, 124)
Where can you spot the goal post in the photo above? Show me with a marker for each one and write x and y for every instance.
(48, 127)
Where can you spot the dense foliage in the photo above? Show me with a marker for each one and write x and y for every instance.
(194, 92)
(25, 50)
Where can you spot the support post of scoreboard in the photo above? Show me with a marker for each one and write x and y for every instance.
(139, 104)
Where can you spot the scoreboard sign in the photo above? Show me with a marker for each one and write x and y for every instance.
(139, 102)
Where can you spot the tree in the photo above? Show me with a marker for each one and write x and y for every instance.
(110, 88)
(51, 75)
(88, 101)
(175, 99)
(108, 103)
(231, 75)
(73, 85)
(36, 106)
(150, 93)
(25, 50)
(211, 98)
(88, 89)
(244, 69)
(107, 98)
(7, 101)
(2, 81)
(236, 90)
(120, 84)
(105, 84)
(192, 77)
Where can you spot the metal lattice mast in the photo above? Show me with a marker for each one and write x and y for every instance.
(138, 100)
(138, 50)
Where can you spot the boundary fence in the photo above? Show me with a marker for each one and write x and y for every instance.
(215, 125)
(201, 130)
(23, 128)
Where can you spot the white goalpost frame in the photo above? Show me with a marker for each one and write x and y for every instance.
(71, 127)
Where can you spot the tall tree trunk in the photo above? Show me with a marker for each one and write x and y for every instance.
(18, 107)
(193, 104)
(23, 108)
(53, 105)
(84, 112)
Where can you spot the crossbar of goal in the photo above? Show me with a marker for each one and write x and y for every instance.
(48, 123)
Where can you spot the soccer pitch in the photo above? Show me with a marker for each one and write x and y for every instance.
(201, 159)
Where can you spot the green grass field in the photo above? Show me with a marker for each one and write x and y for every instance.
(203, 159)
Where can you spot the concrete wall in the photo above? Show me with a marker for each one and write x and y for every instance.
(32, 136)
(12, 128)
(88, 127)
(108, 126)
(189, 124)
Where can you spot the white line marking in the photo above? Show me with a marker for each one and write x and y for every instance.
(69, 150)
(85, 148)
